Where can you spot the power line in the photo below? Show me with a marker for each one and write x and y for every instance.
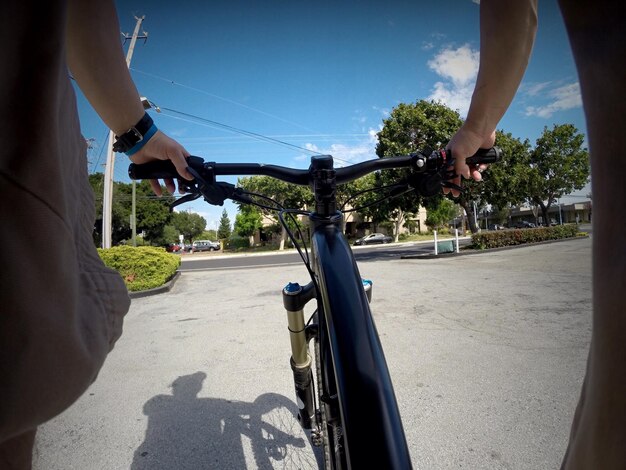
(237, 130)
(227, 100)
(232, 128)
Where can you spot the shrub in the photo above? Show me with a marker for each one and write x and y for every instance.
(501, 238)
(142, 267)
(237, 243)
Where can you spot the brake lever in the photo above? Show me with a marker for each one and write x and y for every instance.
(213, 192)
(448, 184)
(183, 200)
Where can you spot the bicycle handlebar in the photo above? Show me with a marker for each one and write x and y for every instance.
(419, 161)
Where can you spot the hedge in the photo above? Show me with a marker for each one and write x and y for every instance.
(501, 238)
(142, 267)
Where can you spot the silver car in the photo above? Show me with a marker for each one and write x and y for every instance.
(373, 238)
(205, 245)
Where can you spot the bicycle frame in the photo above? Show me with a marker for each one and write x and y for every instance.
(373, 432)
(351, 355)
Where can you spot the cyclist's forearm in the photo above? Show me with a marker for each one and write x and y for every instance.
(507, 33)
(96, 60)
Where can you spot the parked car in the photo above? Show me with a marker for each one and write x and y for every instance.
(173, 247)
(497, 227)
(205, 245)
(373, 238)
(524, 224)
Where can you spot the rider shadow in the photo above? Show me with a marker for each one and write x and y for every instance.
(188, 432)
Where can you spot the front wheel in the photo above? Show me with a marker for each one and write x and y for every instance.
(329, 413)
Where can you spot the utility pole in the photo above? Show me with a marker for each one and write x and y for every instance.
(107, 204)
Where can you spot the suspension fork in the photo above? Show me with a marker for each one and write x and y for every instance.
(295, 297)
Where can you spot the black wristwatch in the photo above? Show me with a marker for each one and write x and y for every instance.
(134, 135)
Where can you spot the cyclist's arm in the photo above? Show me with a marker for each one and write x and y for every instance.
(507, 33)
(96, 60)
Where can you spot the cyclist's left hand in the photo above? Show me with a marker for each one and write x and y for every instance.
(162, 147)
(463, 144)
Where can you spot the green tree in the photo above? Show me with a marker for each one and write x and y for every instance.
(152, 213)
(440, 212)
(287, 195)
(412, 127)
(504, 184)
(559, 165)
(210, 234)
(366, 194)
(247, 222)
(189, 224)
(224, 230)
(170, 234)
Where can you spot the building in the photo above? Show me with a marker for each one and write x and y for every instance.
(579, 212)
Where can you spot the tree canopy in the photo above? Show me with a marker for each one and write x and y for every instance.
(409, 128)
(287, 195)
(152, 213)
(559, 164)
(248, 221)
(224, 230)
(188, 224)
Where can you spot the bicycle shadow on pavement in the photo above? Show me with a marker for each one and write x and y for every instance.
(189, 432)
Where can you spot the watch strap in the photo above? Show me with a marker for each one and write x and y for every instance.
(135, 137)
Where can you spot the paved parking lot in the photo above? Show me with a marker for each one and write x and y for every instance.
(487, 354)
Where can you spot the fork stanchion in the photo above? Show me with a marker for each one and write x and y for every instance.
(294, 298)
(456, 238)
(435, 233)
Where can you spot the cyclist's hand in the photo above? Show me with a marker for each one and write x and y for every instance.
(463, 144)
(162, 147)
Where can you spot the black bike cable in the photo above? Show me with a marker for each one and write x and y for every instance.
(306, 260)
(277, 208)
(281, 211)
(384, 198)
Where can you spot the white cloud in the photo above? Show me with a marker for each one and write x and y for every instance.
(364, 149)
(384, 112)
(560, 99)
(458, 69)
(535, 89)
(458, 65)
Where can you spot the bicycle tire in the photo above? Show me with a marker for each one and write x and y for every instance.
(373, 435)
(332, 425)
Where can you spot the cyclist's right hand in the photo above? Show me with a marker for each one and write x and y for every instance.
(463, 144)
(162, 147)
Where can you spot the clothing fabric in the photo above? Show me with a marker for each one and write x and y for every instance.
(61, 308)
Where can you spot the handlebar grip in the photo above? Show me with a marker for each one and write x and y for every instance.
(159, 169)
(492, 155)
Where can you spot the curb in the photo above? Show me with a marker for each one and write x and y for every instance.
(157, 290)
(490, 250)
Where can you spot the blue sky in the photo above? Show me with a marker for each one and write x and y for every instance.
(319, 76)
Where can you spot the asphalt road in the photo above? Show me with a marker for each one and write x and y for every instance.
(486, 352)
(216, 260)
